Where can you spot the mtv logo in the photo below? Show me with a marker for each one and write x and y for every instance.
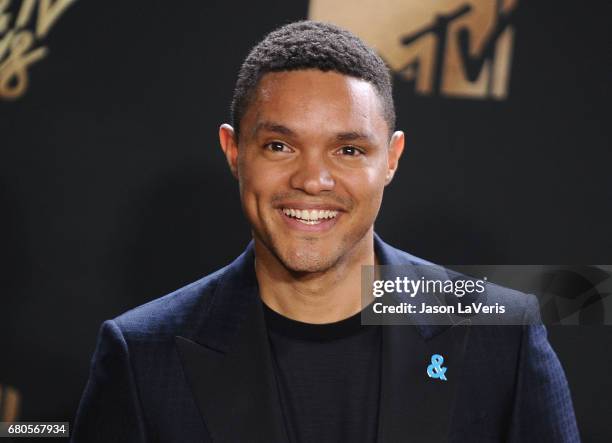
(453, 48)
(21, 30)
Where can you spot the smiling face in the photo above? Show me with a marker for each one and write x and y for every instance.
(312, 161)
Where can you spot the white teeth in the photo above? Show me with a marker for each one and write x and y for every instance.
(310, 217)
(309, 222)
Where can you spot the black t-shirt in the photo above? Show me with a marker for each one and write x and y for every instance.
(328, 378)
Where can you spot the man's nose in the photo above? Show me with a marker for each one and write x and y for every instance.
(312, 175)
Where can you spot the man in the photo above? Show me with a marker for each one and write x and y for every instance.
(271, 348)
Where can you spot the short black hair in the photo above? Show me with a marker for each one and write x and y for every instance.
(310, 44)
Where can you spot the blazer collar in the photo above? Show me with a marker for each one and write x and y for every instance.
(237, 292)
(228, 364)
(234, 298)
(401, 263)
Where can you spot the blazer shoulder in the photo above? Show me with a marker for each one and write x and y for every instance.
(520, 308)
(176, 313)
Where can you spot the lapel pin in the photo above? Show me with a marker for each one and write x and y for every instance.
(435, 369)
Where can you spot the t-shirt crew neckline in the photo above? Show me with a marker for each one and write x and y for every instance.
(287, 327)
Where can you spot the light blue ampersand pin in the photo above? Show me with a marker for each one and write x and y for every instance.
(435, 369)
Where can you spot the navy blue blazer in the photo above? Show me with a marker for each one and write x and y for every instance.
(195, 366)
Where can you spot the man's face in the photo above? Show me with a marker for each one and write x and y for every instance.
(312, 161)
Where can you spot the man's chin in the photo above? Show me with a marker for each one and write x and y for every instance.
(307, 261)
(303, 255)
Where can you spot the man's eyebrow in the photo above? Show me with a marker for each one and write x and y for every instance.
(272, 127)
(353, 136)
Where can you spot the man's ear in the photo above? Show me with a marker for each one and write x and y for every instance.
(229, 145)
(396, 147)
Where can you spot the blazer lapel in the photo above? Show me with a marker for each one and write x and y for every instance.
(228, 364)
(413, 406)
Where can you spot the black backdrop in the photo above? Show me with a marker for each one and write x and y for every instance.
(113, 190)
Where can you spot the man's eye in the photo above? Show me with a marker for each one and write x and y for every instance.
(277, 147)
(351, 151)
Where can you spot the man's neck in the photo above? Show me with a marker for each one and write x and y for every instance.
(322, 297)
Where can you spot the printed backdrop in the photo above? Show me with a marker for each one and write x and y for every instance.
(113, 189)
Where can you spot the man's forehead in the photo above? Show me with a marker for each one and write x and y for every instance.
(308, 80)
(294, 99)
